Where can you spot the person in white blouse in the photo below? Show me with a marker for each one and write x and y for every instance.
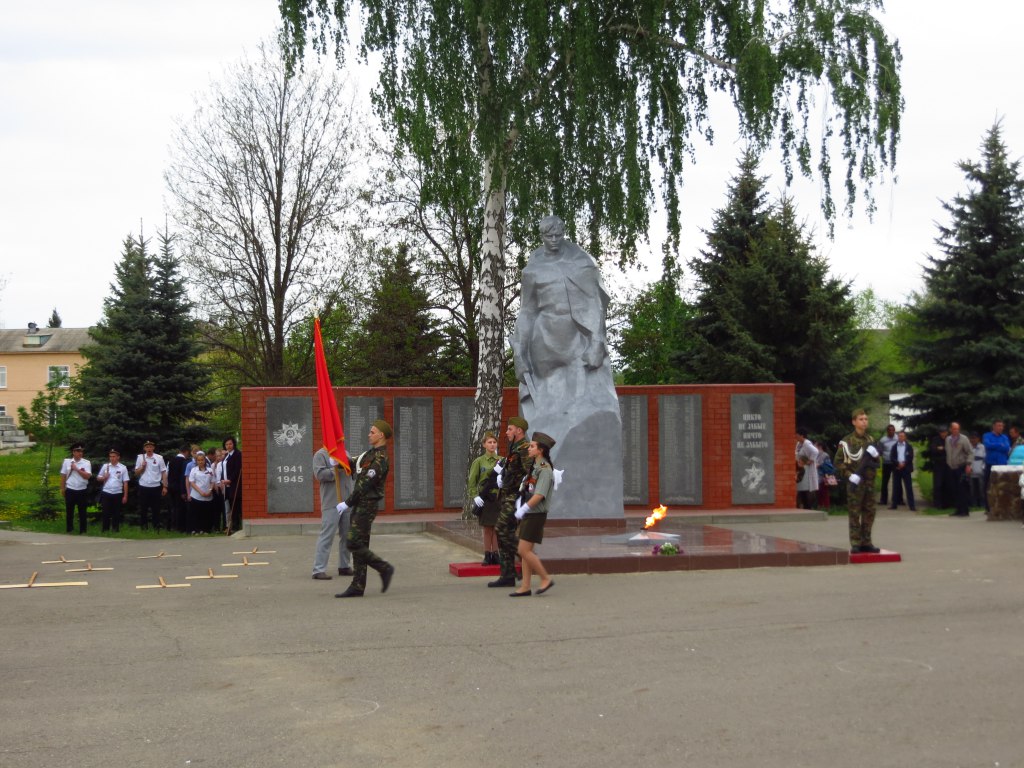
(114, 493)
(74, 487)
(201, 484)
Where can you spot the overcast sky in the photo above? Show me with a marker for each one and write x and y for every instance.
(89, 93)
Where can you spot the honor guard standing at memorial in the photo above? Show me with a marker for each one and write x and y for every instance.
(516, 467)
(371, 471)
(857, 461)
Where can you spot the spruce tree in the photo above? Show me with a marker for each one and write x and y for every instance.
(400, 342)
(181, 377)
(767, 310)
(964, 336)
(54, 321)
(654, 335)
(140, 379)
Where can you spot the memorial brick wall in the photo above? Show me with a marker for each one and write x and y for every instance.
(701, 447)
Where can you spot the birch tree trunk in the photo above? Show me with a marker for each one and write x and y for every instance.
(491, 324)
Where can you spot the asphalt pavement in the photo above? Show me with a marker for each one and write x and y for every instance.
(898, 664)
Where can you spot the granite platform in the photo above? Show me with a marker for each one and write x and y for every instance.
(583, 546)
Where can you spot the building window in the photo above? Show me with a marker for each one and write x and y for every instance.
(3, 411)
(3, 377)
(61, 373)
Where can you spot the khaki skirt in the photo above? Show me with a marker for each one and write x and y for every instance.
(489, 513)
(531, 528)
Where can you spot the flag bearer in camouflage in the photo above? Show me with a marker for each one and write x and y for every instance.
(371, 471)
(517, 466)
(857, 461)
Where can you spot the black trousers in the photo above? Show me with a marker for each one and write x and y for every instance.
(112, 505)
(886, 475)
(179, 511)
(79, 499)
(150, 501)
(200, 515)
(962, 489)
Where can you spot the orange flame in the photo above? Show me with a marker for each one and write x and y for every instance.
(658, 513)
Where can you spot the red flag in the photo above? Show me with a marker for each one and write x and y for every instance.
(334, 435)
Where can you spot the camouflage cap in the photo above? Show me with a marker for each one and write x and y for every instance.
(519, 421)
(858, 412)
(384, 427)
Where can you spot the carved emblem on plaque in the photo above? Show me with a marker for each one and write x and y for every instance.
(289, 434)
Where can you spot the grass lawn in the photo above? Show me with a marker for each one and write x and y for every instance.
(20, 479)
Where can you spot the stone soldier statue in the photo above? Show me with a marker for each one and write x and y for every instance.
(857, 461)
(371, 472)
(565, 376)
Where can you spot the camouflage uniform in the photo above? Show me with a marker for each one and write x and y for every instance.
(371, 471)
(517, 466)
(852, 458)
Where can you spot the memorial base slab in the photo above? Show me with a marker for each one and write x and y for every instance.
(463, 570)
(583, 546)
(885, 556)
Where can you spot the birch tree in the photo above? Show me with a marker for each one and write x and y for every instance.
(569, 106)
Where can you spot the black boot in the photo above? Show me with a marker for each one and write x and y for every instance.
(487, 559)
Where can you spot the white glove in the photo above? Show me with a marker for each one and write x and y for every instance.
(498, 469)
(521, 512)
(478, 501)
(334, 461)
(499, 481)
(342, 508)
(854, 479)
(873, 451)
(558, 477)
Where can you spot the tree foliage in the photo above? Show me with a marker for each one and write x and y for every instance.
(767, 310)
(50, 422)
(261, 182)
(567, 108)
(572, 101)
(141, 378)
(54, 321)
(654, 332)
(441, 219)
(964, 336)
(399, 343)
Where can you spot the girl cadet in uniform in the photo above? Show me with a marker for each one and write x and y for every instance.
(485, 496)
(533, 512)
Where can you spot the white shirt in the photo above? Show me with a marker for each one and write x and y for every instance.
(201, 479)
(153, 476)
(116, 478)
(901, 453)
(74, 481)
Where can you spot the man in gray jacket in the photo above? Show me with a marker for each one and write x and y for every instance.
(335, 486)
(959, 456)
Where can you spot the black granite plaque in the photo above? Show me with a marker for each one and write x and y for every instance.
(457, 423)
(753, 449)
(635, 489)
(414, 453)
(360, 413)
(679, 449)
(290, 449)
